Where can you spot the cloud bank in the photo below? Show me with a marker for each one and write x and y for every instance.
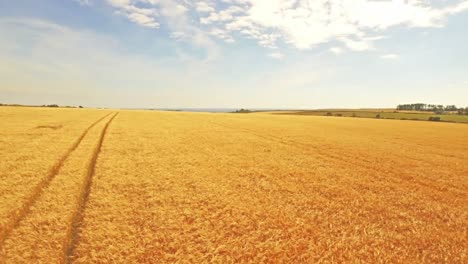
(299, 24)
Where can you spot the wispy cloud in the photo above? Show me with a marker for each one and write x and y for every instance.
(144, 16)
(357, 24)
(70, 66)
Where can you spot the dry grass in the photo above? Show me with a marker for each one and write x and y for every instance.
(193, 187)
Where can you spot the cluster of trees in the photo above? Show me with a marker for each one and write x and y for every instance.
(438, 109)
(242, 110)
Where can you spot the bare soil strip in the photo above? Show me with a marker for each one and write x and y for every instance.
(36, 194)
(78, 216)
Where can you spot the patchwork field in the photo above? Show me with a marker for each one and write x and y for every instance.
(120, 186)
(381, 113)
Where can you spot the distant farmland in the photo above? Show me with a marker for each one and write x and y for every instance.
(384, 113)
(124, 186)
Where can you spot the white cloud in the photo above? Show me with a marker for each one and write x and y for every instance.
(302, 24)
(276, 55)
(77, 67)
(357, 45)
(390, 56)
(336, 50)
(204, 7)
(143, 20)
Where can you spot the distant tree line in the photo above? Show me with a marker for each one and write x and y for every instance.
(49, 105)
(438, 109)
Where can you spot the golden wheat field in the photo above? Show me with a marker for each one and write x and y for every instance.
(122, 186)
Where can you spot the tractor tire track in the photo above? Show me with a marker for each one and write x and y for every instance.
(84, 197)
(39, 189)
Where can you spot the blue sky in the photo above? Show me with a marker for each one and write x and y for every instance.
(234, 53)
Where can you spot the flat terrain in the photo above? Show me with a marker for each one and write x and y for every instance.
(382, 113)
(117, 186)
